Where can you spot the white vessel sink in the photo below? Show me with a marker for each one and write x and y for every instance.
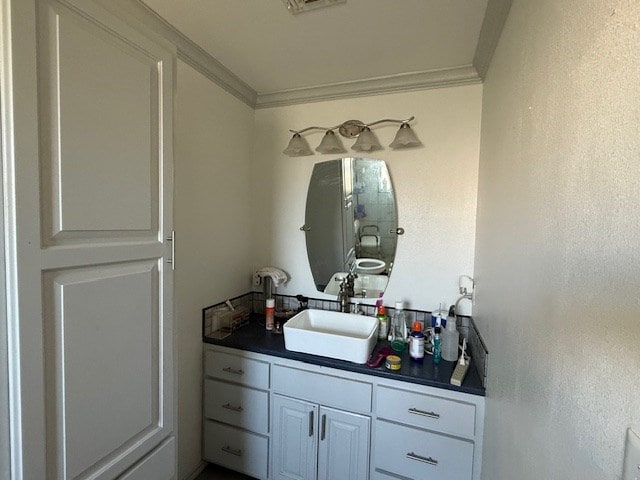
(343, 336)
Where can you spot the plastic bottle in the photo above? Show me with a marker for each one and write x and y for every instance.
(416, 342)
(269, 313)
(450, 339)
(400, 331)
(383, 321)
(437, 354)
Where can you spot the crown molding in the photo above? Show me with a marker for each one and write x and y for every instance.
(494, 19)
(374, 86)
(135, 13)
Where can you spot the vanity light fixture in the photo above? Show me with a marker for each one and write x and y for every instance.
(366, 140)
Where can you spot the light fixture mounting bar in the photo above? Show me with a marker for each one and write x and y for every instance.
(366, 140)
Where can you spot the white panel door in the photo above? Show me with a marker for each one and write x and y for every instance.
(294, 439)
(343, 450)
(90, 219)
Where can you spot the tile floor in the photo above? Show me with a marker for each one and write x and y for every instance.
(214, 472)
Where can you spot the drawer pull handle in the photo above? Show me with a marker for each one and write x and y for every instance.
(311, 423)
(422, 413)
(323, 432)
(232, 451)
(420, 458)
(228, 406)
(231, 370)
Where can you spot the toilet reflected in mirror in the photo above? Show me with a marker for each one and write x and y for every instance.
(351, 224)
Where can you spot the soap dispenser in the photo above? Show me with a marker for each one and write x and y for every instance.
(450, 338)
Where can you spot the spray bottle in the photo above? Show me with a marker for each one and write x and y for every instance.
(450, 338)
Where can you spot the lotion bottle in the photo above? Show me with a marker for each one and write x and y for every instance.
(269, 313)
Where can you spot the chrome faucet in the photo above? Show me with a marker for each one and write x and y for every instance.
(351, 280)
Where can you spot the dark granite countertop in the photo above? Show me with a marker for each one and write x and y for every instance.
(254, 338)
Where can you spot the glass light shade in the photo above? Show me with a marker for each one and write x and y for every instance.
(405, 138)
(366, 141)
(298, 147)
(330, 144)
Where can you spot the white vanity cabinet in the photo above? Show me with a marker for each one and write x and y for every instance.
(426, 433)
(321, 423)
(314, 442)
(236, 412)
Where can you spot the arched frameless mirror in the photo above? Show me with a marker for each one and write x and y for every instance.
(351, 224)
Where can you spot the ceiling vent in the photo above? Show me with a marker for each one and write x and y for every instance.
(299, 6)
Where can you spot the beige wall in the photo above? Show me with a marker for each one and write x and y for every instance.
(213, 145)
(558, 256)
(436, 188)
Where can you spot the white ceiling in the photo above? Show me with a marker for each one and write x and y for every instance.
(271, 50)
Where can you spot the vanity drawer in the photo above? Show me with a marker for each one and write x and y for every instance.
(236, 405)
(426, 411)
(236, 449)
(326, 390)
(237, 369)
(417, 454)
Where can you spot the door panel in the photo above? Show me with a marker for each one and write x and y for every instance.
(100, 316)
(99, 129)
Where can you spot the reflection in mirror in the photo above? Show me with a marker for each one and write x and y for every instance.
(351, 224)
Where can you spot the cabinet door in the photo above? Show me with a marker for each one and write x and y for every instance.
(343, 451)
(90, 217)
(295, 427)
